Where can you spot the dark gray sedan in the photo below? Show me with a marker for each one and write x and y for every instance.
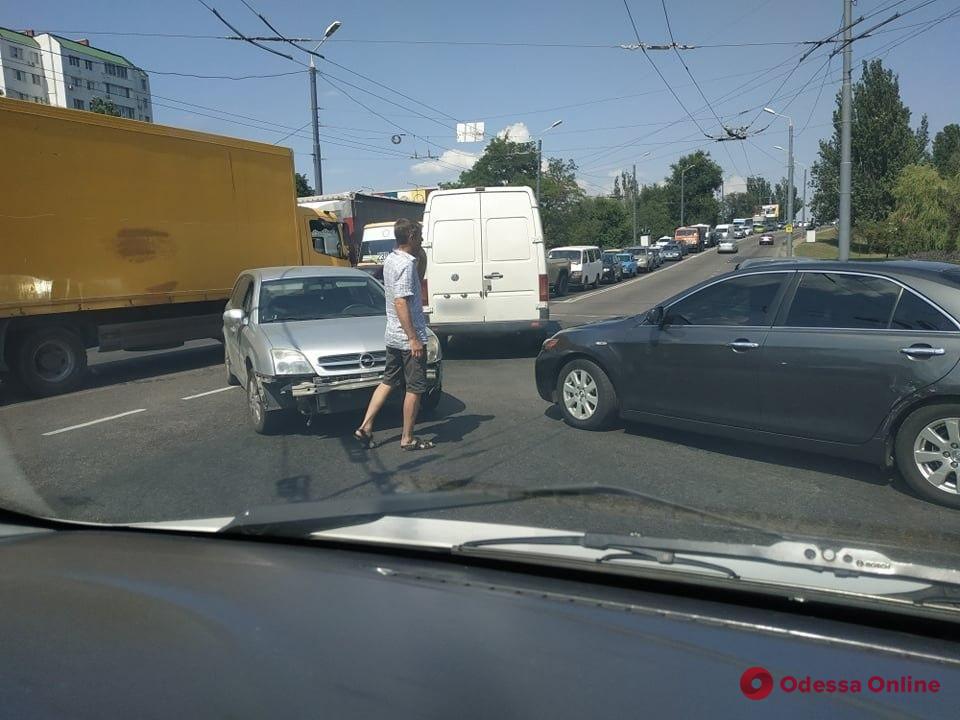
(853, 359)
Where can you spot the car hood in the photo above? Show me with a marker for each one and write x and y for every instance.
(336, 336)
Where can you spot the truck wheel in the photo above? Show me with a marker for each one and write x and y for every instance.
(264, 421)
(563, 285)
(51, 361)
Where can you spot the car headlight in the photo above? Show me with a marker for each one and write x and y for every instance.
(433, 349)
(289, 362)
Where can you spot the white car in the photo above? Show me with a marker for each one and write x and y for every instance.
(586, 264)
(727, 246)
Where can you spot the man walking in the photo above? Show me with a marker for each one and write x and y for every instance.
(406, 337)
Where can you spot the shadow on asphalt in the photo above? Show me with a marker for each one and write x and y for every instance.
(129, 369)
(747, 450)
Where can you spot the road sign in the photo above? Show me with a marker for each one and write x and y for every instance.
(789, 228)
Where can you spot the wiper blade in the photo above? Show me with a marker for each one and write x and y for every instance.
(665, 557)
(839, 561)
(299, 520)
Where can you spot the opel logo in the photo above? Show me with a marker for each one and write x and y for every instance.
(367, 361)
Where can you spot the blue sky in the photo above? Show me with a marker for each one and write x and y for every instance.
(595, 91)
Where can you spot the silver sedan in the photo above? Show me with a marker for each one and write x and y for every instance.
(310, 339)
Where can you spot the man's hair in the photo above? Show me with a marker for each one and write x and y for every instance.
(404, 229)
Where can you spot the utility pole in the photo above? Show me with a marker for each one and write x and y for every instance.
(633, 196)
(315, 122)
(846, 101)
(804, 198)
(540, 154)
(790, 188)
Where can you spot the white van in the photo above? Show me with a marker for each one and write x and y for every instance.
(726, 231)
(586, 264)
(486, 268)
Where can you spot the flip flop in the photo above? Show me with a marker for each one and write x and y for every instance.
(417, 444)
(365, 438)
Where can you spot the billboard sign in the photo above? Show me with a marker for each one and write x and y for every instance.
(771, 211)
(470, 132)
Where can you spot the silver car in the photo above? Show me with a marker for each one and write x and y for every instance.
(310, 339)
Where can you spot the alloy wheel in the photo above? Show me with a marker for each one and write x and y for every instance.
(580, 394)
(936, 453)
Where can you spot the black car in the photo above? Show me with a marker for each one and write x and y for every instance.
(672, 251)
(612, 268)
(853, 359)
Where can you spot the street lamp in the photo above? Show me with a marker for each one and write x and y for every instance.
(314, 111)
(789, 173)
(540, 152)
(682, 173)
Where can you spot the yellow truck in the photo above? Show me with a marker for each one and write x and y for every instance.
(119, 234)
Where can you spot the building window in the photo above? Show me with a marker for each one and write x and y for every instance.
(143, 83)
(16, 52)
(19, 75)
(74, 60)
(78, 104)
(76, 82)
(146, 118)
(88, 64)
(91, 85)
(115, 70)
(126, 112)
(36, 79)
(22, 96)
(34, 57)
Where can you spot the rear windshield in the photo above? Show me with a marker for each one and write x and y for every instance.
(320, 298)
(624, 257)
(573, 255)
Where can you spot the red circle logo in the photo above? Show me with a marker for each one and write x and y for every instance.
(756, 683)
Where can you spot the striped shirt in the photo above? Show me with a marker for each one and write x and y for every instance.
(400, 280)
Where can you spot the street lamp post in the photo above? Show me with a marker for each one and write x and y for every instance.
(789, 173)
(315, 112)
(805, 168)
(683, 172)
(540, 153)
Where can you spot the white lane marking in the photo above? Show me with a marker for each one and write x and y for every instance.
(94, 422)
(676, 264)
(210, 392)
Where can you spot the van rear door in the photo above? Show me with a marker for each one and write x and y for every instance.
(513, 255)
(454, 268)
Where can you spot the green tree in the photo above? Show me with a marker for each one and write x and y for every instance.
(104, 107)
(738, 204)
(760, 191)
(780, 197)
(946, 150)
(625, 187)
(928, 205)
(882, 144)
(602, 221)
(505, 162)
(653, 212)
(303, 185)
(700, 185)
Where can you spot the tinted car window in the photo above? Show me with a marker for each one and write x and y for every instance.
(830, 300)
(914, 313)
(745, 300)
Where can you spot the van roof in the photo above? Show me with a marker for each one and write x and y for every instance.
(577, 247)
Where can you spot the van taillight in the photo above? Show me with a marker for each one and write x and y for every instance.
(544, 288)
(424, 293)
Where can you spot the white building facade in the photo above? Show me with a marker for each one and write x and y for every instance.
(21, 68)
(73, 74)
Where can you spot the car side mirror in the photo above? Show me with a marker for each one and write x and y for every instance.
(657, 316)
(234, 315)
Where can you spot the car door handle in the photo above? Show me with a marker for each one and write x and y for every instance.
(922, 351)
(494, 276)
(743, 345)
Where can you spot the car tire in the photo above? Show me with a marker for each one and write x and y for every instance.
(596, 282)
(582, 413)
(265, 422)
(563, 286)
(907, 441)
(231, 378)
(51, 361)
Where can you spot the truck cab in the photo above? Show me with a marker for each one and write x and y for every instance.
(322, 238)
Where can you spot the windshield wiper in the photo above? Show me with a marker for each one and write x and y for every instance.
(840, 561)
(298, 520)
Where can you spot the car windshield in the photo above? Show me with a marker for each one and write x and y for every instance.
(377, 247)
(319, 298)
(275, 254)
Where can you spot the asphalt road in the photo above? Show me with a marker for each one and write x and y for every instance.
(159, 436)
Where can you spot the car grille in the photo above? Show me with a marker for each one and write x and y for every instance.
(353, 361)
